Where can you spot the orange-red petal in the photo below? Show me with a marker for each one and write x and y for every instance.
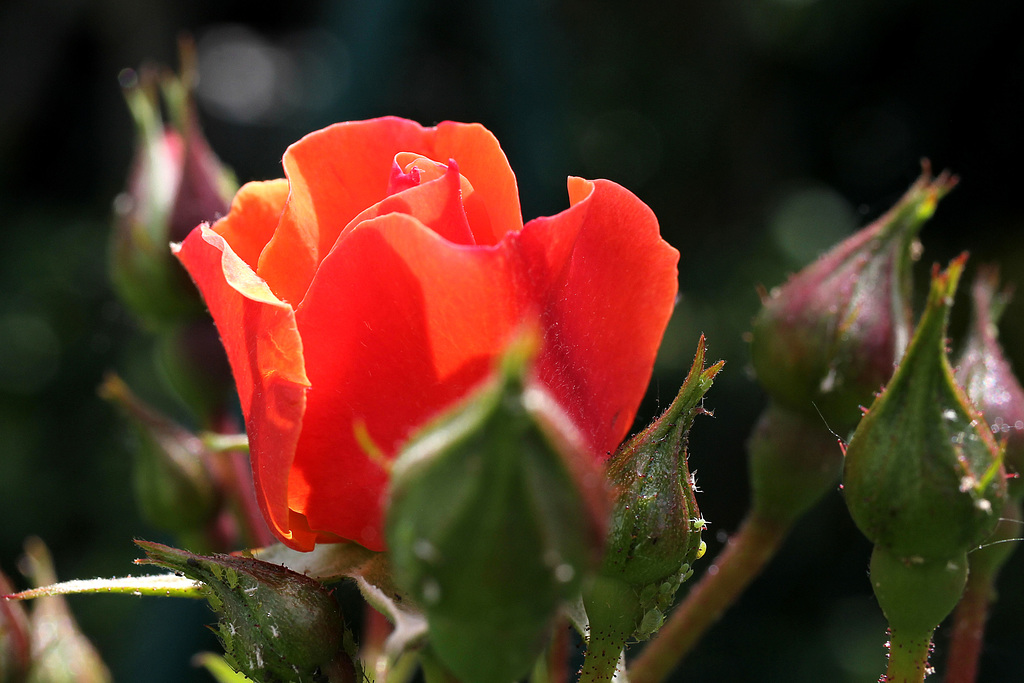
(263, 346)
(606, 313)
(253, 217)
(339, 171)
(398, 324)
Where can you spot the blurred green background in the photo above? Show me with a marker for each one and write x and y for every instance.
(759, 131)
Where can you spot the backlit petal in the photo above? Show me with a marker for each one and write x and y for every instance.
(263, 346)
(605, 318)
(398, 324)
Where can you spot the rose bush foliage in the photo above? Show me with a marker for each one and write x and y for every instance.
(378, 283)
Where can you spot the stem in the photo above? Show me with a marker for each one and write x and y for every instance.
(908, 657)
(743, 558)
(979, 595)
(969, 629)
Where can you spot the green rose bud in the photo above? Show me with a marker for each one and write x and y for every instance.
(829, 337)
(654, 535)
(174, 488)
(277, 626)
(923, 474)
(489, 526)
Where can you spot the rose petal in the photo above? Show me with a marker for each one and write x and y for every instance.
(436, 203)
(334, 173)
(253, 217)
(398, 324)
(263, 346)
(493, 208)
(339, 171)
(605, 318)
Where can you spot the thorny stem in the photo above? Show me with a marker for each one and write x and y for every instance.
(735, 567)
(908, 657)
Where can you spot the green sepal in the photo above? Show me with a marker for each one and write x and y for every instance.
(276, 626)
(656, 524)
(488, 528)
(923, 475)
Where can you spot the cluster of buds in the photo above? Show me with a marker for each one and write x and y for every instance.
(823, 343)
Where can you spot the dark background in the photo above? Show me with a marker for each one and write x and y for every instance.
(759, 131)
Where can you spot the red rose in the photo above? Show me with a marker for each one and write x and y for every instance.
(380, 281)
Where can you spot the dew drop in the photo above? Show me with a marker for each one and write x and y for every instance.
(425, 550)
(564, 573)
(949, 414)
(431, 591)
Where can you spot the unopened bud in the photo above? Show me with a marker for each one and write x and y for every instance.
(491, 524)
(175, 183)
(174, 488)
(986, 376)
(829, 337)
(275, 625)
(923, 475)
(654, 535)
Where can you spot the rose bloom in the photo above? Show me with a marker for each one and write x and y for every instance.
(379, 283)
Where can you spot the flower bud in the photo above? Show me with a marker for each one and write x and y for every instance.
(275, 625)
(15, 648)
(174, 488)
(794, 461)
(986, 376)
(175, 183)
(923, 475)
(654, 535)
(830, 336)
(192, 363)
(493, 519)
(60, 652)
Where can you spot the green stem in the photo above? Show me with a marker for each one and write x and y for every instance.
(743, 558)
(908, 657)
(969, 629)
(612, 607)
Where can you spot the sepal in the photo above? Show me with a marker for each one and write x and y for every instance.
(490, 524)
(923, 476)
(275, 625)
